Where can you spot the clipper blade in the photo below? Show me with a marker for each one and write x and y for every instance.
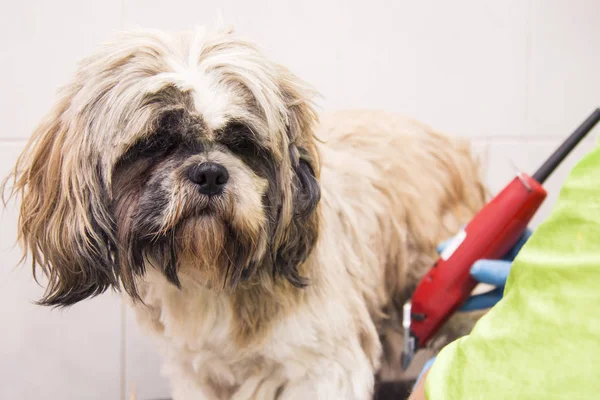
(409, 347)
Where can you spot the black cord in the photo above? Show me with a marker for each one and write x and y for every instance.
(565, 148)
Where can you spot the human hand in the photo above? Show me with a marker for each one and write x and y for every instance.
(426, 367)
(492, 272)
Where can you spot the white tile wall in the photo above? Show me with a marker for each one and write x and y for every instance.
(52, 354)
(41, 41)
(516, 75)
(563, 64)
(143, 367)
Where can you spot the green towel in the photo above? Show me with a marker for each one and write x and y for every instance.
(542, 340)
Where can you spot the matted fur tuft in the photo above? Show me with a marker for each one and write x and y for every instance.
(286, 282)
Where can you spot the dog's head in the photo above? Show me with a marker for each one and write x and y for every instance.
(190, 153)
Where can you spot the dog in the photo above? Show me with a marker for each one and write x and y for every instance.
(268, 249)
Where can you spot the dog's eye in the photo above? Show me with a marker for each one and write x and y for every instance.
(236, 129)
(153, 146)
(242, 146)
(237, 138)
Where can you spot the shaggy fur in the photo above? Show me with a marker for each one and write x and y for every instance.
(287, 284)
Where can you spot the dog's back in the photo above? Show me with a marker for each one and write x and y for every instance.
(398, 189)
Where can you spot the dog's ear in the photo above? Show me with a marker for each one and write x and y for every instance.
(65, 224)
(303, 229)
(299, 216)
(306, 190)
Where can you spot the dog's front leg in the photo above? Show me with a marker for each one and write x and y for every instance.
(186, 387)
(333, 380)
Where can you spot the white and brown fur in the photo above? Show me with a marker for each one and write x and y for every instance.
(288, 285)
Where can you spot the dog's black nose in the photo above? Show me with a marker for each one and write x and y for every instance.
(210, 177)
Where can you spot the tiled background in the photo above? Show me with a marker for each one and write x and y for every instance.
(515, 75)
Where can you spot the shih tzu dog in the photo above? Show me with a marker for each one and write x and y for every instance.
(268, 252)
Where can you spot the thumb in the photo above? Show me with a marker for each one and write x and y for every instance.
(492, 272)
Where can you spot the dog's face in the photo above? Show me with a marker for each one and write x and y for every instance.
(191, 153)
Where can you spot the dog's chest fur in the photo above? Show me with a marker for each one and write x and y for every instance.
(196, 331)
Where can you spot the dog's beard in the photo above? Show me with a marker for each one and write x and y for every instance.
(206, 249)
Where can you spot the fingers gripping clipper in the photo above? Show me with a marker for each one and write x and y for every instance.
(489, 235)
